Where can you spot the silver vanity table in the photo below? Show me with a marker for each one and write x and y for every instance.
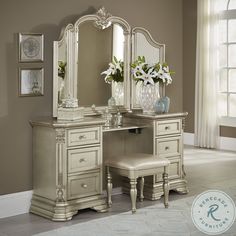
(69, 149)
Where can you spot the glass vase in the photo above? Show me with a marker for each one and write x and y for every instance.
(148, 96)
(118, 91)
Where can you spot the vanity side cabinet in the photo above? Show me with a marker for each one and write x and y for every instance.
(168, 143)
(67, 168)
(166, 140)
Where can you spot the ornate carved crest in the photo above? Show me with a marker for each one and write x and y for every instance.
(60, 135)
(102, 22)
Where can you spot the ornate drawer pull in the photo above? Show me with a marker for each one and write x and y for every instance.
(167, 127)
(82, 137)
(82, 160)
(167, 148)
(84, 185)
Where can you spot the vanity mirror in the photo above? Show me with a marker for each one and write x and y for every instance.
(144, 45)
(85, 50)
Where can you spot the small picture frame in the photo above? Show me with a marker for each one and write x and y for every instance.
(31, 82)
(30, 47)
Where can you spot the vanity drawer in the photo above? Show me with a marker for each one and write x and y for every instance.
(83, 159)
(174, 170)
(84, 185)
(83, 136)
(168, 147)
(168, 127)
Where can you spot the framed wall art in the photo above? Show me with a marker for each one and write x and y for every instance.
(31, 82)
(31, 47)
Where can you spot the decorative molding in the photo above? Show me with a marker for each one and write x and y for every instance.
(226, 143)
(60, 136)
(19, 203)
(228, 121)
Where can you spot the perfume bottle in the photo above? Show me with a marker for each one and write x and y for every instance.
(108, 117)
(118, 119)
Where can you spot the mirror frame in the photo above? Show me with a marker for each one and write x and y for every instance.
(102, 19)
(70, 35)
(153, 43)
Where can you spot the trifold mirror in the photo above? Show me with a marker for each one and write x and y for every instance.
(81, 60)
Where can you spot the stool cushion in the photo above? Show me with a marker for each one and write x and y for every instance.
(137, 161)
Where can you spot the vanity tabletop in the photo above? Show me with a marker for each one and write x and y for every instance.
(154, 116)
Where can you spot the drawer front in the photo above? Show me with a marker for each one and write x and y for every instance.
(83, 136)
(168, 147)
(83, 159)
(84, 185)
(174, 170)
(168, 127)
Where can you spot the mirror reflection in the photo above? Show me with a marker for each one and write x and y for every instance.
(96, 49)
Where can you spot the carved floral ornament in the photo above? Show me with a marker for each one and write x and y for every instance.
(103, 19)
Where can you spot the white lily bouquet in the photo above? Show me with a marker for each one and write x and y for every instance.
(151, 74)
(115, 72)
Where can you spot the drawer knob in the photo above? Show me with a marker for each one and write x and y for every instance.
(82, 160)
(82, 137)
(167, 148)
(84, 185)
(167, 127)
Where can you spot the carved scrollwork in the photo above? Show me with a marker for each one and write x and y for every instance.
(102, 22)
(60, 136)
(60, 194)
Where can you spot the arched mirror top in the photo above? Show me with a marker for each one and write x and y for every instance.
(102, 20)
(145, 45)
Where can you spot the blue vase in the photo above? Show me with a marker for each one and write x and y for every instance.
(166, 101)
(159, 106)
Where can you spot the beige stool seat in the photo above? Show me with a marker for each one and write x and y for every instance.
(137, 165)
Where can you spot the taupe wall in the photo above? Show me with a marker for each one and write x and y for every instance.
(189, 60)
(162, 17)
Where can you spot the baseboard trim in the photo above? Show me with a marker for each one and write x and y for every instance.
(228, 144)
(19, 203)
(15, 203)
(189, 139)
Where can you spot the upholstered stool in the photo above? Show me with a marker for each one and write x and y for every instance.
(134, 166)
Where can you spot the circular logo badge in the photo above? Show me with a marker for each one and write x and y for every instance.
(213, 212)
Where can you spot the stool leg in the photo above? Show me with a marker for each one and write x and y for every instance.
(166, 187)
(141, 189)
(109, 187)
(133, 194)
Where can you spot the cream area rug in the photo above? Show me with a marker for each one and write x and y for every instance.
(149, 221)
